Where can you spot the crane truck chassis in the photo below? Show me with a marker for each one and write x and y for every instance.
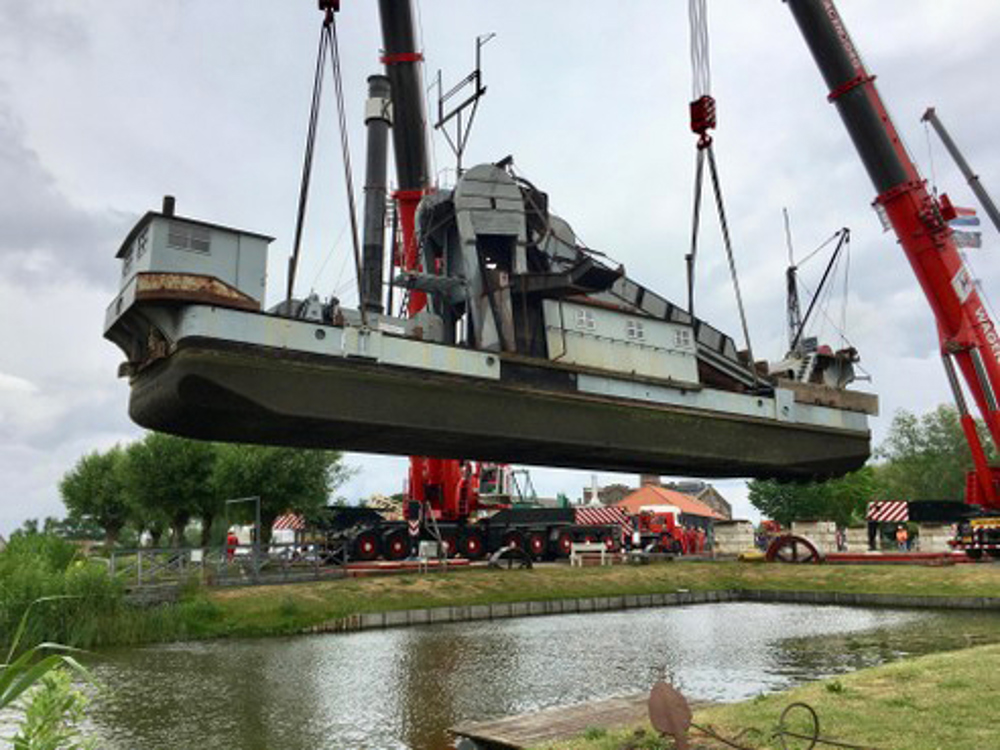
(544, 533)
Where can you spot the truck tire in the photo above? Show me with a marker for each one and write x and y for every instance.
(396, 545)
(535, 544)
(513, 538)
(563, 543)
(366, 546)
(471, 545)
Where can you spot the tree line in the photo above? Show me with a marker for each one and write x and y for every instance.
(159, 484)
(922, 458)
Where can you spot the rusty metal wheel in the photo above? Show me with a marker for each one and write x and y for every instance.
(793, 549)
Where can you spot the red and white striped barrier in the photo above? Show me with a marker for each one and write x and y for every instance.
(888, 511)
(291, 521)
(604, 517)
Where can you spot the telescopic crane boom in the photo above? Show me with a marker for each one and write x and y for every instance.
(967, 335)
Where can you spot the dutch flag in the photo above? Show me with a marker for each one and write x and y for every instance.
(966, 218)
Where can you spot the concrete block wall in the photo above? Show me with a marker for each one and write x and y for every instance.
(409, 617)
(733, 537)
(934, 537)
(821, 533)
(857, 539)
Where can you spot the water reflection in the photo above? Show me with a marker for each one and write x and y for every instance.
(402, 689)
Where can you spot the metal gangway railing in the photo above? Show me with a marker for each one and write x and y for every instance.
(227, 565)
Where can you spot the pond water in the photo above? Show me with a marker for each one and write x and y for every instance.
(404, 688)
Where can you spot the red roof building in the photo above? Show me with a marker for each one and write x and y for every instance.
(651, 494)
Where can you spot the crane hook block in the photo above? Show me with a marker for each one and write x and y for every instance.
(330, 5)
(703, 118)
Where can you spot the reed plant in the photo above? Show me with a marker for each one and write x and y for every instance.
(73, 600)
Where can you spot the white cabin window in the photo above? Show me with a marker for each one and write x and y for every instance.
(141, 242)
(127, 262)
(585, 320)
(634, 331)
(682, 338)
(187, 237)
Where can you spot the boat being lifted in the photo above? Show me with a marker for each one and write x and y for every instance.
(518, 345)
(530, 350)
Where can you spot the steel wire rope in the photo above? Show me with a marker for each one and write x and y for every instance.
(317, 93)
(842, 327)
(701, 83)
(930, 157)
(810, 256)
(699, 172)
(333, 249)
(847, 288)
(841, 333)
(330, 28)
(828, 273)
(826, 294)
(701, 87)
(724, 224)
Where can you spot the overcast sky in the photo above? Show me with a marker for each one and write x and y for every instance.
(105, 105)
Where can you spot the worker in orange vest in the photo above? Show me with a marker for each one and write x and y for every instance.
(902, 538)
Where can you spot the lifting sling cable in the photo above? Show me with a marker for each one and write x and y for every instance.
(328, 42)
(702, 120)
(293, 261)
(330, 27)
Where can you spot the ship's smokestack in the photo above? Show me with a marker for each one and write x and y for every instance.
(377, 119)
(169, 202)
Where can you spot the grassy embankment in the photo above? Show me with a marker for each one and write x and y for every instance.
(290, 608)
(948, 700)
(97, 615)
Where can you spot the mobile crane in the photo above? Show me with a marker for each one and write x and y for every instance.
(968, 337)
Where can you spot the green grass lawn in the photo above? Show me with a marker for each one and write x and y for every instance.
(947, 701)
(283, 609)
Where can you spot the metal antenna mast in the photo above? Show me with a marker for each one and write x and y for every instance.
(463, 127)
(792, 289)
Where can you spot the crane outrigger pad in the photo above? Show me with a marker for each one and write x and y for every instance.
(225, 391)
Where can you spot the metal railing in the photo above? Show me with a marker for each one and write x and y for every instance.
(227, 565)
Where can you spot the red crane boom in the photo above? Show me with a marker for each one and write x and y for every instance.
(967, 335)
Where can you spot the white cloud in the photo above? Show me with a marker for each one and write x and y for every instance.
(12, 384)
